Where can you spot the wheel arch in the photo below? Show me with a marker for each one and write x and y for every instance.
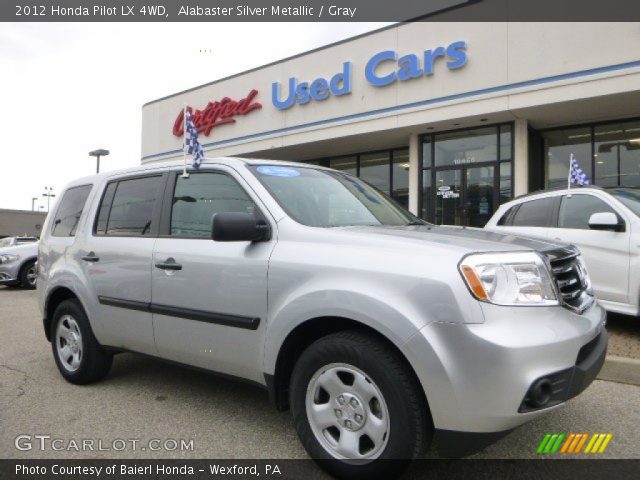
(304, 335)
(55, 298)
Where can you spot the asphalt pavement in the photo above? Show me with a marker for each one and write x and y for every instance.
(144, 399)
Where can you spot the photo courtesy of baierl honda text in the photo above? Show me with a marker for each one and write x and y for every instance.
(320, 240)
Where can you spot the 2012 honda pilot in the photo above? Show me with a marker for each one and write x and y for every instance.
(379, 331)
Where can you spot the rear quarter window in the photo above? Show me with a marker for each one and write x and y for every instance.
(70, 210)
(535, 213)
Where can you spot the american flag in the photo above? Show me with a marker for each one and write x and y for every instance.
(576, 175)
(191, 142)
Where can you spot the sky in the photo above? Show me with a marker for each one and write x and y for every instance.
(69, 88)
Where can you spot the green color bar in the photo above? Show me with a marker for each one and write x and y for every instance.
(550, 443)
(543, 443)
(558, 443)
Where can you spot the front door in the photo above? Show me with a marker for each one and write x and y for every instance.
(465, 195)
(209, 299)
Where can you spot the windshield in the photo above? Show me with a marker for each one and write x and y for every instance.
(324, 198)
(630, 198)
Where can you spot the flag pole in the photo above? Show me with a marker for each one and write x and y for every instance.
(185, 174)
(569, 175)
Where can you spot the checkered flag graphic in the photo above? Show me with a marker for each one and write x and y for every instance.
(191, 142)
(576, 175)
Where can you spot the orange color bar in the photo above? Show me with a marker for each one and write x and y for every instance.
(567, 442)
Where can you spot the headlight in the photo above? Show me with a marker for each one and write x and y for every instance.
(519, 278)
(8, 258)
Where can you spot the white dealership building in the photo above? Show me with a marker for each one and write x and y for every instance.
(451, 119)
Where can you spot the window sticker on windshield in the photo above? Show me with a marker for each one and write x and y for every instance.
(275, 171)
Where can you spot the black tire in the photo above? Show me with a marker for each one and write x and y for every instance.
(410, 425)
(95, 361)
(25, 273)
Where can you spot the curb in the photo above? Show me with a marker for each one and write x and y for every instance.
(621, 370)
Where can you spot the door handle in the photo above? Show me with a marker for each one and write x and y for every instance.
(91, 257)
(169, 264)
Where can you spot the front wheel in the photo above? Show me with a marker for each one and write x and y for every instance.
(28, 275)
(358, 408)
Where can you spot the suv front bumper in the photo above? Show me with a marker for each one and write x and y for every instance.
(478, 377)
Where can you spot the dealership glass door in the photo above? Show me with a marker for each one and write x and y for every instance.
(465, 195)
(466, 175)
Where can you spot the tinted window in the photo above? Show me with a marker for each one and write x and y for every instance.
(105, 206)
(506, 218)
(69, 211)
(575, 210)
(535, 213)
(197, 198)
(132, 206)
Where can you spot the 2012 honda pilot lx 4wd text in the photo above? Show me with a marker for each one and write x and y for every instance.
(379, 331)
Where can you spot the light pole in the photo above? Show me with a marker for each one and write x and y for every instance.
(33, 203)
(48, 192)
(101, 152)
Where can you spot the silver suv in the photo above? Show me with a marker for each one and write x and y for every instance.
(18, 258)
(379, 331)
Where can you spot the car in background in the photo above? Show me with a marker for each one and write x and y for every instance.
(604, 223)
(18, 256)
(12, 241)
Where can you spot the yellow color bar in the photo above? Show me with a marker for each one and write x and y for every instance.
(596, 445)
(607, 439)
(594, 437)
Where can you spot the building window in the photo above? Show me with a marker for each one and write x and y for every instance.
(387, 170)
(617, 154)
(609, 153)
(466, 174)
(374, 169)
(558, 147)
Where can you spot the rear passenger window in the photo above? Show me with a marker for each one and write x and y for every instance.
(127, 207)
(575, 210)
(69, 211)
(506, 218)
(535, 213)
(199, 196)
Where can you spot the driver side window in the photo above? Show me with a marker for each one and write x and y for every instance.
(576, 209)
(198, 197)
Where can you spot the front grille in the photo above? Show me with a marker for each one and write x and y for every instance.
(570, 278)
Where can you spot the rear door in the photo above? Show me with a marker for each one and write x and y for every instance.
(117, 256)
(606, 253)
(211, 312)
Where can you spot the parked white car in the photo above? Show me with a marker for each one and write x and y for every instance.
(603, 223)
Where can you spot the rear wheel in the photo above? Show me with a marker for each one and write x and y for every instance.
(357, 406)
(28, 275)
(78, 355)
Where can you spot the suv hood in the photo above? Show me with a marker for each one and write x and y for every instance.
(463, 238)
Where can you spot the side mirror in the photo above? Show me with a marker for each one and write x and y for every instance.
(239, 227)
(606, 221)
